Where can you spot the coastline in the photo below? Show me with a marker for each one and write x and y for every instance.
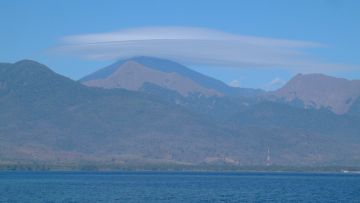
(178, 169)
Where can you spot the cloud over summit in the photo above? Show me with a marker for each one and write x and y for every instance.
(193, 45)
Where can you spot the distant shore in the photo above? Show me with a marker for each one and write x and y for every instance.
(176, 168)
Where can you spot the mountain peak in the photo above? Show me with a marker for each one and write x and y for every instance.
(160, 72)
(26, 61)
(150, 62)
(316, 76)
(321, 91)
(133, 75)
(25, 74)
(31, 67)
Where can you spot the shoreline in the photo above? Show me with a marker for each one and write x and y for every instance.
(190, 172)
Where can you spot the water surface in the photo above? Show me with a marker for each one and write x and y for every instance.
(178, 187)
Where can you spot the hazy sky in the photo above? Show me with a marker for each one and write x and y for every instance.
(258, 44)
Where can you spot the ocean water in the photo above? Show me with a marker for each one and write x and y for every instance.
(178, 187)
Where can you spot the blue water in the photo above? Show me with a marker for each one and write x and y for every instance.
(178, 187)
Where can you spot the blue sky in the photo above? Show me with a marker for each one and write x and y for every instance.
(34, 29)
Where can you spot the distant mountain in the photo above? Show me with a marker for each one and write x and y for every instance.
(320, 91)
(48, 120)
(134, 73)
(47, 117)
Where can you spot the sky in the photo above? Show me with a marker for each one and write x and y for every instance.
(257, 44)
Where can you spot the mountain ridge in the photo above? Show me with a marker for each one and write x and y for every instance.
(50, 119)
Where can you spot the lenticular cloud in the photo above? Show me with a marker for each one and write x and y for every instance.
(196, 46)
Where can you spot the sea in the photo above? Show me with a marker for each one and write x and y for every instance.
(177, 187)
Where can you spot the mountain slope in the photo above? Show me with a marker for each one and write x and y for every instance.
(50, 120)
(321, 91)
(47, 116)
(133, 73)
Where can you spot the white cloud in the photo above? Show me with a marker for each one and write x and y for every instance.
(234, 83)
(277, 81)
(275, 84)
(198, 46)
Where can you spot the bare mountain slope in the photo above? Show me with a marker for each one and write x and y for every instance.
(134, 73)
(321, 91)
